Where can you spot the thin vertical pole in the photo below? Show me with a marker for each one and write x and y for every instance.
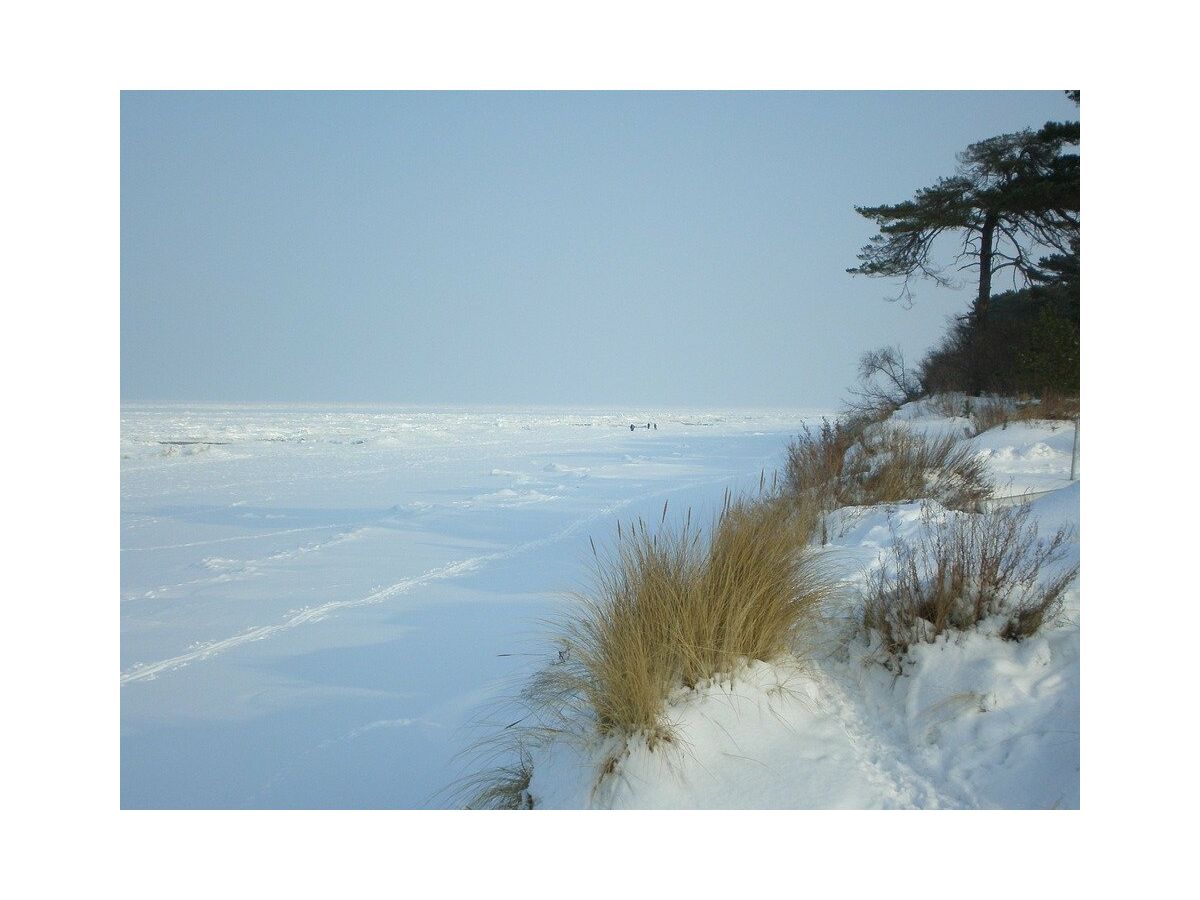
(1075, 451)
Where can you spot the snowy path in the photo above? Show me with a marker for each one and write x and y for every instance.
(884, 760)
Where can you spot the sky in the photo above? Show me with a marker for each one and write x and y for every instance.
(539, 248)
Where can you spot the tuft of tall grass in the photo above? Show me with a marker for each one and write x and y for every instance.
(992, 413)
(998, 412)
(501, 787)
(1056, 406)
(895, 465)
(962, 570)
(813, 472)
(863, 464)
(671, 609)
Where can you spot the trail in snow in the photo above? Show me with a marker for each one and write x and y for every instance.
(240, 569)
(247, 537)
(148, 671)
(880, 761)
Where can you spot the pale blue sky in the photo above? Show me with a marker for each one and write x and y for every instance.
(524, 248)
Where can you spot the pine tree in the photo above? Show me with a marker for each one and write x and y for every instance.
(1013, 198)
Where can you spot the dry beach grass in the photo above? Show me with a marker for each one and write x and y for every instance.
(670, 609)
(864, 464)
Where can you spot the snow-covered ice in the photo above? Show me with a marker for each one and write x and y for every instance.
(316, 601)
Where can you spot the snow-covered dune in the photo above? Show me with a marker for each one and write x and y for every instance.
(971, 721)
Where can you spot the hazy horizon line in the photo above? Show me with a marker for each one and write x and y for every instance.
(396, 404)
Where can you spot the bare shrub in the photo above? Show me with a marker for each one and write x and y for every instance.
(949, 405)
(885, 383)
(962, 570)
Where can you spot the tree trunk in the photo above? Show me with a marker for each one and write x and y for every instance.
(986, 241)
(979, 338)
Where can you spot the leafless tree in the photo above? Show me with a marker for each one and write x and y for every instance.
(884, 382)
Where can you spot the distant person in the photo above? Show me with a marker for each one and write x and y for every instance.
(656, 426)
(631, 427)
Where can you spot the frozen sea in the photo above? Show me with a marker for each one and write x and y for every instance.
(318, 602)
